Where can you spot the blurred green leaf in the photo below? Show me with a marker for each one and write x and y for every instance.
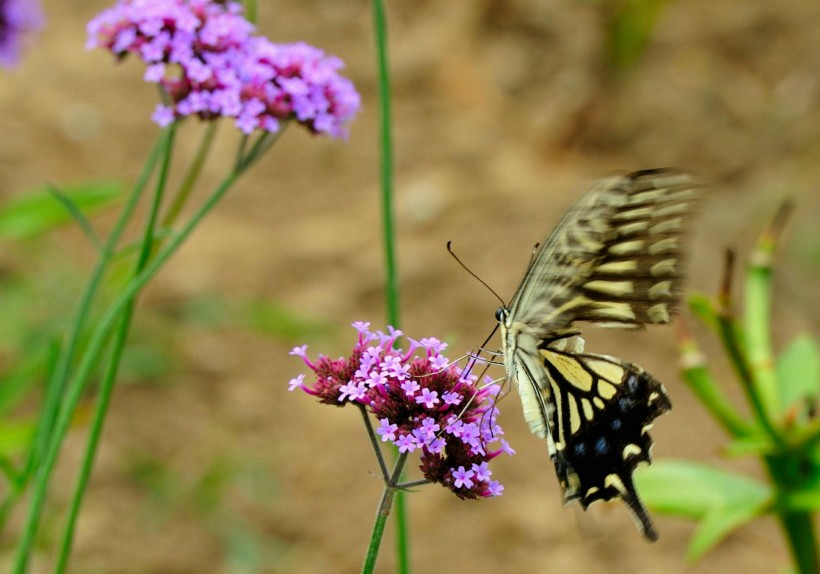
(274, 319)
(757, 444)
(15, 384)
(798, 371)
(75, 212)
(15, 436)
(721, 501)
(701, 306)
(693, 490)
(719, 522)
(630, 25)
(37, 212)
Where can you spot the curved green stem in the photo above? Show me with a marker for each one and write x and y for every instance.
(383, 512)
(112, 368)
(46, 428)
(392, 280)
(191, 176)
(91, 356)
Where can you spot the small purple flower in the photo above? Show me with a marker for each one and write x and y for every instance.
(406, 443)
(410, 387)
(461, 478)
(297, 382)
(428, 398)
(451, 398)
(481, 471)
(387, 430)
(18, 20)
(495, 488)
(419, 405)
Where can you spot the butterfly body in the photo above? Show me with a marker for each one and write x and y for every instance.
(613, 260)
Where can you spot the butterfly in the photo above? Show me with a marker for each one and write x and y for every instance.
(613, 260)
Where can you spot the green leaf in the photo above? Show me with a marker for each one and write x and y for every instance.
(757, 444)
(75, 212)
(692, 490)
(721, 501)
(720, 522)
(701, 306)
(15, 436)
(37, 212)
(798, 372)
(274, 319)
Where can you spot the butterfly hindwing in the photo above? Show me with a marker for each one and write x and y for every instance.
(604, 408)
(615, 260)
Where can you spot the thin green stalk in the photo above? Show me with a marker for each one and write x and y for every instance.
(385, 505)
(191, 176)
(700, 381)
(374, 441)
(386, 164)
(802, 537)
(758, 312)
(110, 375)
(89, 360)
(798, 527)
(391, 280)
(728, 332)
(59, 375)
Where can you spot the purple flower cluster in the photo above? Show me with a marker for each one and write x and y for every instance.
(422, 403)
(18, 18)
(204, 55)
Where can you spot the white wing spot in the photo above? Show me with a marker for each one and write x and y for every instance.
(615, 482)
(660, 290)
(668, 226)
(658, 313)
(614, 288)
(627, 247)
(631, 450)
(664, 246)
(665, 267)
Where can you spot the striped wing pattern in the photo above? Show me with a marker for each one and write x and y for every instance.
(614, 260)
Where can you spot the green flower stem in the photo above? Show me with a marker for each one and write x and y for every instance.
(729, 334)
(727, 330)
(386, 168)
(374, 441)
(112, 368)
(391, 280)
(191, 176)
(758, 313)
(59, 375)
(700, 381)
(786, 472)
(385, 505)
(89, 360)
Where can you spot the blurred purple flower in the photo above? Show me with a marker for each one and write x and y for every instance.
(401, 388)
(208, 62)
(18, 19)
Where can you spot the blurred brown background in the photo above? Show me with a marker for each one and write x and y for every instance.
(505, 111)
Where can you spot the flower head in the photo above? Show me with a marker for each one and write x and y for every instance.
(209, 64)
(18, 19)
(422, 403)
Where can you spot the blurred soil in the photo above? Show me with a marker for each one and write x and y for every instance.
(504, 113)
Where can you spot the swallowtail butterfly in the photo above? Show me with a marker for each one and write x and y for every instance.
(613, 260)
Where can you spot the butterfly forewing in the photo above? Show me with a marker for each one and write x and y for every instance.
(614, 259)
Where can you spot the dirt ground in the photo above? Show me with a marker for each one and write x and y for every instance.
(504, 113)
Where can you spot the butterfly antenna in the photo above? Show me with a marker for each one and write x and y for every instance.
(479, 279)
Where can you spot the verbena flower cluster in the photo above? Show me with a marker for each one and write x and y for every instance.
(205, 57)
(18, 18)
(422, 403)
